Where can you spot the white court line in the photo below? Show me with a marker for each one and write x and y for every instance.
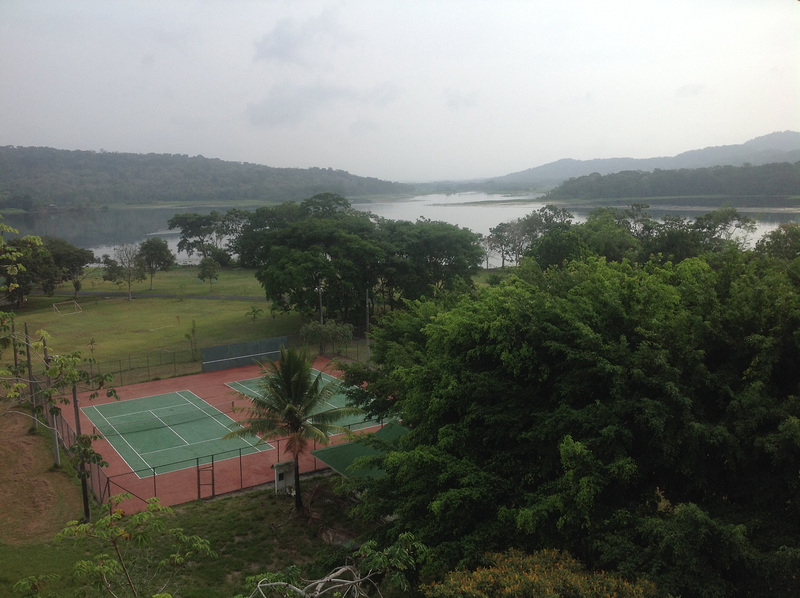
(214, 418)
(146, 410)
(166, 425)
(209, 440)
(123, 439)
(240, 385)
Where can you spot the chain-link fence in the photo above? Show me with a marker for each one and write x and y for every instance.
(143, 367)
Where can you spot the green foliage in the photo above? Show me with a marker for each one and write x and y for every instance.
(154, 256)
(124, 560)
(35, 586)
(544, 573)
(254, 313)
(322, 255)
(39, 176)
(783, 242)
(70, 260)
(328, 333)
(29, 266)
(191, 336)
(372, 568)
(208, 271)
(288, 406)
(765, 180)
(125, 267)
(636, 416)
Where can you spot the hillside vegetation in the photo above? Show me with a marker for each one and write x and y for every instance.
(782, 179)
(31, 177)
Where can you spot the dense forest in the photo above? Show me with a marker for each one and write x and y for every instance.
(33, 177)
(628, 393)
(768, 180)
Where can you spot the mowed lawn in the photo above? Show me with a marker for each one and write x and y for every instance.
(110, 327)
(180, 281)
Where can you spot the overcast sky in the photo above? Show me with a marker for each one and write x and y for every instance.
(406, 90)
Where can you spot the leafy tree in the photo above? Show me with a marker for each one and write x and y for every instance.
(558, 247)
(606, 232)
(325, 245)
(125, 267)
(33, 266)
(782, 243)
(289, 405)
(371, 568)
(424, 258)
(724, 226)
(128, 551)
(199, 232)
(155, 256)
(639, 417)
(208, 271)
(70, 260)
(544, 573)
(330, 332)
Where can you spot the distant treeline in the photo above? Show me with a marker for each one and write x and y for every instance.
(781, 179)
(34, 177)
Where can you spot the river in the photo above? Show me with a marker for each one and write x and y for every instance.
(101, 230)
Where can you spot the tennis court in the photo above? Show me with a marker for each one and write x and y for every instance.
(168, 432)
(251, 386)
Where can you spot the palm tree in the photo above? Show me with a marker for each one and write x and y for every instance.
(289, 405)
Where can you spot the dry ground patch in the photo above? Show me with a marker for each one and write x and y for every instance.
(35, 500)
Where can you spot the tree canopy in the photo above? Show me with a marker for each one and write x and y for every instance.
(321, 254)
(643, 417)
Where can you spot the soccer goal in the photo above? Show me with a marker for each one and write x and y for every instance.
(67, 308)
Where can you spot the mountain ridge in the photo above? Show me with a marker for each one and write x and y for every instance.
(780, 146)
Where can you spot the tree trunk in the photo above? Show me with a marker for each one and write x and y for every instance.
(298, 500)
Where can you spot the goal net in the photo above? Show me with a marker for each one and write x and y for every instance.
(67, 308)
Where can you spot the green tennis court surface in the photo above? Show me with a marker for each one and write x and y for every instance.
(251, 387)
(168, 432)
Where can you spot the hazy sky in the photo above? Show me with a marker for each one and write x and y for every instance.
(406, 90)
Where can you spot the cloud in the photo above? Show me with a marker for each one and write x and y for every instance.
(289, 105)
(459, 100)
(301, 43)
(364, 126)
(690, 91)
(294, 104)
(382, 94)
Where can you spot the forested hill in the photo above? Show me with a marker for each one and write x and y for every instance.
(768, 180)
(40, 176)
(782, 146)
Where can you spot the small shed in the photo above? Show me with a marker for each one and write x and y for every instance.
(284, 477)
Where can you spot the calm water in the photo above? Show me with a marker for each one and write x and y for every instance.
(100, 231)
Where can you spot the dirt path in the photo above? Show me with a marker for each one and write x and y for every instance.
(35, 502)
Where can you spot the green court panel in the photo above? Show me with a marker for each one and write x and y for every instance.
(341, 456)
(251, 388)
(168, 432)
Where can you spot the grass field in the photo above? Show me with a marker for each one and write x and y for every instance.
(120, 327)
(181, 281)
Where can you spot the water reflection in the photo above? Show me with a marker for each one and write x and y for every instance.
(102, 230)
